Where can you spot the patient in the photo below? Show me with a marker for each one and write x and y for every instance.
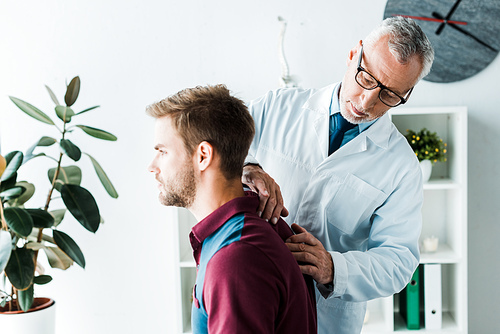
(247, 281)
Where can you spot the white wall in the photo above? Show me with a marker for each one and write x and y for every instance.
(132, 53)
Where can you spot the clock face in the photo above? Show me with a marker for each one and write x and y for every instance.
(465, 34)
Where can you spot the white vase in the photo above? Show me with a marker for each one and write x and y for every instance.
(426, 167)
(41, 321)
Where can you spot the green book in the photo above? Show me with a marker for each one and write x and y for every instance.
(409, 302)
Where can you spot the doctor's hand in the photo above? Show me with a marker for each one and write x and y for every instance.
(313, 258)
(271, 202)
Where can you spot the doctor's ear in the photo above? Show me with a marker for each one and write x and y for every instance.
(353, 52)
(204, 155)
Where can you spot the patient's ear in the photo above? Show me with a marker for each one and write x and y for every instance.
(204, 155)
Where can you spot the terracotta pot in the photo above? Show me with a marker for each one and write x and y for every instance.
(39, 319)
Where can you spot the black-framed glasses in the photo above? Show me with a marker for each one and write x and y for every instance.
(368, 82)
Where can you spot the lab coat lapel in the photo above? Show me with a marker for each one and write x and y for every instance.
(318, 107)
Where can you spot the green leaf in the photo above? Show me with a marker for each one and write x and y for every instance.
(97, 133)
(25, 298)
(88, 109)
(5, 249)
(82, 206)
(64, 113)
(67, 175)
(19, 221)
(42, 279)
(52, 95)
(12, 193)
(29, 190)
(21, 268)
(70, 149)
(58, 216)
(41, 218)
(72, 91)
(106, 182)
(57, 258)
(14, 161)
(31, 110)
(69, 247)
(9, 183)
(44, 141)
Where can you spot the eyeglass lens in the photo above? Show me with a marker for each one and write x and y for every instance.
(367, 81)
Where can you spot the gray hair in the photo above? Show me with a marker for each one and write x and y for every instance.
(406, 40)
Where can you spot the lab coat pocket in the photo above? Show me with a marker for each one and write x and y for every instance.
(353, 204)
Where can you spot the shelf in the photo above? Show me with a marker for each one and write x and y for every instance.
(188, 279)
(450, 123)
(187, 264)
(439, 184)
(444, 255)
(375, 323)
(449, 325)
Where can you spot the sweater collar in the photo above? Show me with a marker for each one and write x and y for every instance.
(211, 223)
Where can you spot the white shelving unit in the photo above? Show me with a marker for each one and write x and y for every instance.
(185, 269)
(444, 214)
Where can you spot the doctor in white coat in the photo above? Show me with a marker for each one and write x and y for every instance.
(357, 209)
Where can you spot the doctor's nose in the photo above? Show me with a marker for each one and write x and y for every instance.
(369, 98)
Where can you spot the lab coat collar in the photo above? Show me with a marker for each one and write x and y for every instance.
(319, 103)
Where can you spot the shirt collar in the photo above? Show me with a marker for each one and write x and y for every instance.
(212, 222)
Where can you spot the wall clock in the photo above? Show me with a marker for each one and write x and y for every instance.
(465, 34)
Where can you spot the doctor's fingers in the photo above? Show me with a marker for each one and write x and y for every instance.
(255, 178)
(275, 206)
(271, 201)
(315, 262)
(305, 256)
(304, 237)
(271, 204)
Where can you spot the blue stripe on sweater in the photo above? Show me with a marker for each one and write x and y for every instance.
(225, 235)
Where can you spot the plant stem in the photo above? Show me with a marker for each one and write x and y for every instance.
(2, 218)
(56, 175)
(11, 303)
(49, 196)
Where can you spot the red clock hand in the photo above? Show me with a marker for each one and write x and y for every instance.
(422, 18)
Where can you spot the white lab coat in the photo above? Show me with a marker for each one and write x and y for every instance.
(363, 202)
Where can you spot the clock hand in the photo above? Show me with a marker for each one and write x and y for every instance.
(422, 18)
(465, 32)
(450, 13)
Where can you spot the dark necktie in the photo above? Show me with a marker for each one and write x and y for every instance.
(338, 128)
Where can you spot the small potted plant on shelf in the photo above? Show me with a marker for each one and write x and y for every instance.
(428, 148)
(24, 232)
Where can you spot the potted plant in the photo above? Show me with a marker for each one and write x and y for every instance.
(428, 148)
(24, 232)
